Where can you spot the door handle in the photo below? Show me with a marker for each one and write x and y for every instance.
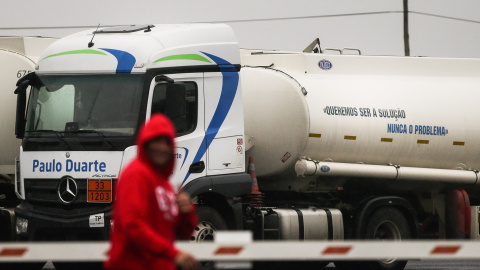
(197, 167)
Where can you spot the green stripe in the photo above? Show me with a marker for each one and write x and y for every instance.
(76, 52)
(195, 57)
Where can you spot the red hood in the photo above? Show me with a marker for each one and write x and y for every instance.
(158, 125)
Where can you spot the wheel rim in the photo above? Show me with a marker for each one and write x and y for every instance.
(204, 232)
(387, 230)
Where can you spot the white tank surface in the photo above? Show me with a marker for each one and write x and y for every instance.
(410, 112)
(276, 119)
(31, 47)
(17, 58)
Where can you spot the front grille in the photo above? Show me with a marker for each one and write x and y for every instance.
(46, 190)
(42, 194)
(70, 212)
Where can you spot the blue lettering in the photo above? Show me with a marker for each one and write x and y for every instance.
(396, 128)
(49, 168)
(430, 130)
(75, 167)
(96, 165)
(52, 166)
(69, 165)
(35, 164)
(84, 167)
(58, 167)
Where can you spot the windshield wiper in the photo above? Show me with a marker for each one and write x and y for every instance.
(112, 147)
(57, 134)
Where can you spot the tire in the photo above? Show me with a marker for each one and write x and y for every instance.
(209, 222)
(387, 223)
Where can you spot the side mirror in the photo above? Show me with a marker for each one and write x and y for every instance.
(21, 92)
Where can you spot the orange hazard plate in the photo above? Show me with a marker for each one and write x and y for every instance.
(99, 190)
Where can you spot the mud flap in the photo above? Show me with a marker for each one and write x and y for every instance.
(457, 214)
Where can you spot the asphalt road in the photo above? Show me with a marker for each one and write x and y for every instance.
(436, 265)
(443, 265)
(412, 265)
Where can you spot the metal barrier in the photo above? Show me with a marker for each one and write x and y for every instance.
(238, 247)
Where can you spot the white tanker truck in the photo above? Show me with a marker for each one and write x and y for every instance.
(17, 58)
(344, 146)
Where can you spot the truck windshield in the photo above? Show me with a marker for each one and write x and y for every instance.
(106, 104)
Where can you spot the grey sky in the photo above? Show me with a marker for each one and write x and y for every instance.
(375, 34)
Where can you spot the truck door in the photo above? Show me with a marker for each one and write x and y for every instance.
(224, 126)
(182, 101)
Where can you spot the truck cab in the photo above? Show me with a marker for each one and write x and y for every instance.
(89, 95)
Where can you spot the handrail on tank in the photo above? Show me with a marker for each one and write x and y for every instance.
(351, 49)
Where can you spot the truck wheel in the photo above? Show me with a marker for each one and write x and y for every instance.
(387, 223)
(209, 222)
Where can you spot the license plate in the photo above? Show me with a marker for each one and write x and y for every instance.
(99, 190)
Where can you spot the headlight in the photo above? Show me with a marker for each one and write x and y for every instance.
(21, 225)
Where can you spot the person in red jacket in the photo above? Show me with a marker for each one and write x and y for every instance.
(148, 216)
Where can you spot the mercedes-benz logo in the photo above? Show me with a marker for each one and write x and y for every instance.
(67, 190)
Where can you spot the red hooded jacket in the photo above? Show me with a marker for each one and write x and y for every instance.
(146, 216)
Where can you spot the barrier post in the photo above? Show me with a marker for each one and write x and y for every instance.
(232, 243)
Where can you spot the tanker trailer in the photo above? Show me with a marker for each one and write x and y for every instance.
(17, 58)
(387, 140)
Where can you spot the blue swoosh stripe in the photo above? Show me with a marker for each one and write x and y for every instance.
(229, 89)
(186, 155)
(126, 61)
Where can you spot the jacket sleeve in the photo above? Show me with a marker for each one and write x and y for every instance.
(131, 215)
(186, 223)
